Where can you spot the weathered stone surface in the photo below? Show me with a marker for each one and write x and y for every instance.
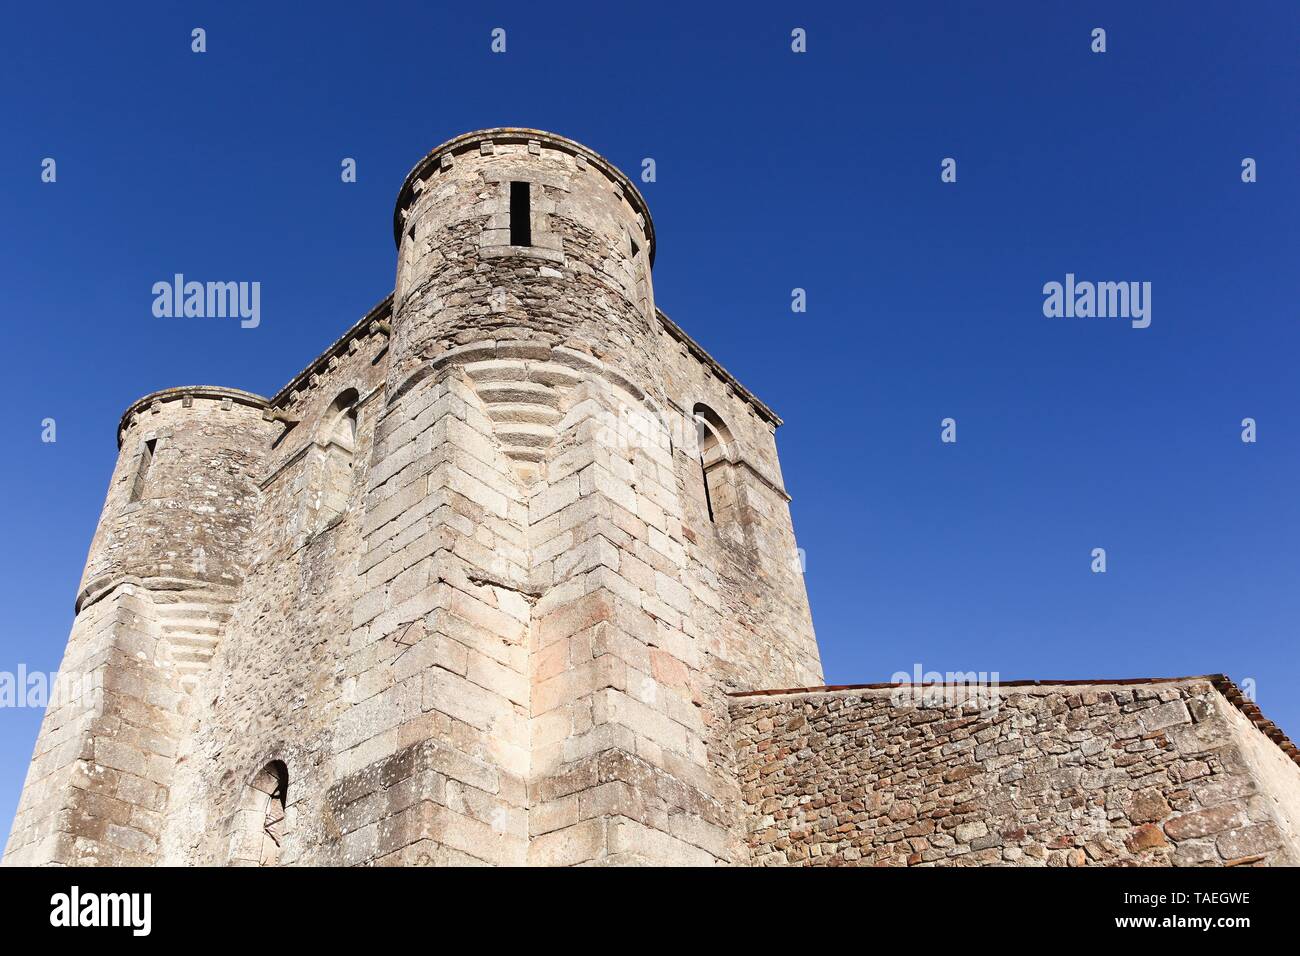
(1148, 806)
(1258, 838)
(1146, 837)
(1050, 776)
(1205, 822)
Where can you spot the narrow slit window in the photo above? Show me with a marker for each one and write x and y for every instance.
(142, 470)
(521, 226)
(708, 498)
(706, 441)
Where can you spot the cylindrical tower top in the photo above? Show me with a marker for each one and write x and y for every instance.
(517, 134)
(182, 499)
(186, 395)
(516, 235)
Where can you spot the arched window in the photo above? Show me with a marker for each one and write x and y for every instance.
(713, 439)
(261, 821)
(337, 436)
(340, 423)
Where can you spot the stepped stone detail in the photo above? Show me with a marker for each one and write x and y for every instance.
(487, 582)
(190, 622)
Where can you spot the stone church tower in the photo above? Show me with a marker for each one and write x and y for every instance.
(507, 576)
(470, 589)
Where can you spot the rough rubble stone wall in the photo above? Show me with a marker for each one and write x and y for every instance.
(1151, 774)
(276, 688)
(195, 509)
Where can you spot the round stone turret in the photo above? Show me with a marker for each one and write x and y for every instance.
(181, 502)
(516, 235)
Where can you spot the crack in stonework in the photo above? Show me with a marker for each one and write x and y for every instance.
(487, 580)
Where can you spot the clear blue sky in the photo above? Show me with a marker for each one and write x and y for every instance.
(775, 170)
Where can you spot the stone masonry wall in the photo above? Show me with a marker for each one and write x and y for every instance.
(277, 687)
(1151, 774)
(165, 564)
(745, 565)
(96, 786)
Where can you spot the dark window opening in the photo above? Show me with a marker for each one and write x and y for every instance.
(708, 498)
(142, 470)
(521, 226)
(706, 442)
(713, 438)
(274, 822)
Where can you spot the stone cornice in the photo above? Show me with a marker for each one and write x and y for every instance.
(1046, 685)
(517, 134)
(697, 350)
(380, 312)
(104, 585)
(187, 391)
(740, 461)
